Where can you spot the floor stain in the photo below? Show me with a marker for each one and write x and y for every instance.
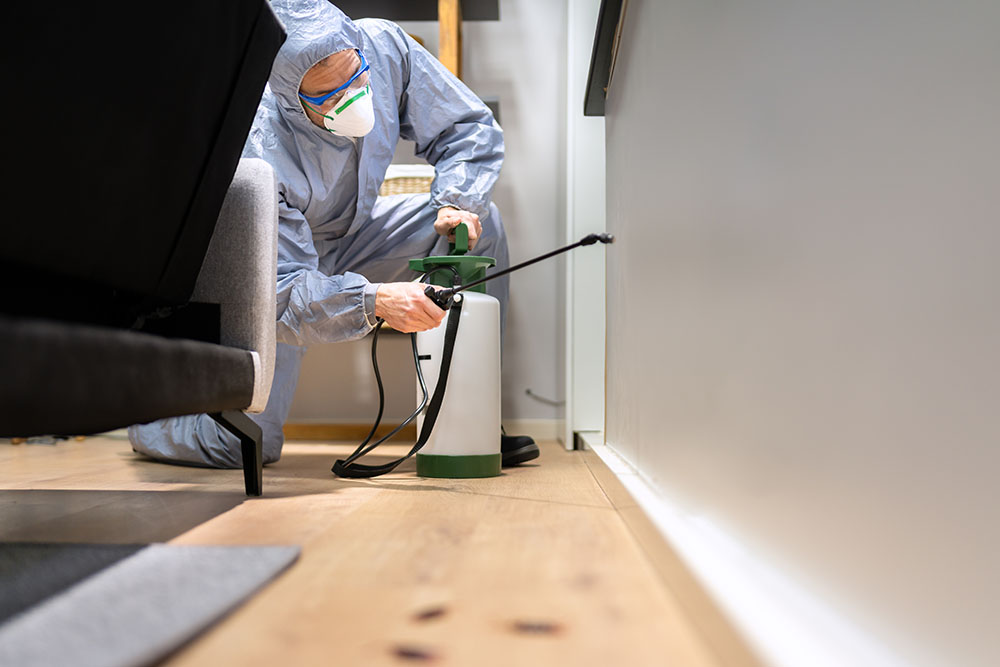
(537, 628)
(430, 614)
(414, 654)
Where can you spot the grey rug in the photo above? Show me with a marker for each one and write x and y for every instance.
(30, 573)
(134, 611)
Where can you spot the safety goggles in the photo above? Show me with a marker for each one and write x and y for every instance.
(321, 99)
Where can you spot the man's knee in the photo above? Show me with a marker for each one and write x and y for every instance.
(198, 440)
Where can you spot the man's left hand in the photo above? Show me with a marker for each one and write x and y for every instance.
(448, 218)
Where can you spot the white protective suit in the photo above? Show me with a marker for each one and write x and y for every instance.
(337, 238)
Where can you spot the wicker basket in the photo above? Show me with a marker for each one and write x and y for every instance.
(407, 179)
(405, 185)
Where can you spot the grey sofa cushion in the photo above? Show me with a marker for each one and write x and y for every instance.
(240, 269)
(67, 378)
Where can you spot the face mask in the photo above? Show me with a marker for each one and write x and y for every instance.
(353, 116)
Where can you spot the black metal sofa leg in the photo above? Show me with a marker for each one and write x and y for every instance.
(251, 442)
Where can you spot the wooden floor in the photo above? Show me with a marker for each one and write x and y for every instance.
(535, 567)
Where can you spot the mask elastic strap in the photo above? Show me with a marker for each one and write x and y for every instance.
(360, 471)
(319, 113)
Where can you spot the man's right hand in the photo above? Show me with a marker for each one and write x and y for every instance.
(406, 308)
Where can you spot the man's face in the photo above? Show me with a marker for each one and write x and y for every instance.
(330, 74)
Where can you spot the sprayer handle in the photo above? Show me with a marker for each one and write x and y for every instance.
(442, 298)
(461, 244)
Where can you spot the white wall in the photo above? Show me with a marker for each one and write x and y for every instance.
(520, 60)
(803, 316)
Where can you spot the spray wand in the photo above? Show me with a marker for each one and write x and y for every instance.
(444, 297)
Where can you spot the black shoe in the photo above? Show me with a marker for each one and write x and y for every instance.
(516, 449)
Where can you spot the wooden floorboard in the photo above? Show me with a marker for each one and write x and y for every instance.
(535, 567)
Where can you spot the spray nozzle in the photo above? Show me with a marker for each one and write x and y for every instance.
(591, 239)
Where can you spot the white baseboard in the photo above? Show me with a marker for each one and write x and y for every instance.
(539, 429)
(782, 622)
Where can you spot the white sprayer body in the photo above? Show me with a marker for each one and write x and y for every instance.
(468, 424)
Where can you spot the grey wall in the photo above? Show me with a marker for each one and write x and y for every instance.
(803, 315)
(520, 61)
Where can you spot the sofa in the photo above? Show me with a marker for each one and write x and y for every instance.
(138, 262)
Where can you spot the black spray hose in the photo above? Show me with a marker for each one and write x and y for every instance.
(443, 297)
(365, 447)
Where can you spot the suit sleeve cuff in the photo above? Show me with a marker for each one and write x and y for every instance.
(370, 290)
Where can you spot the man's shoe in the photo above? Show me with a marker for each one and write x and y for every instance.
(516, 449)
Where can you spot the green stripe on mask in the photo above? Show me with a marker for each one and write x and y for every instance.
(351, 101)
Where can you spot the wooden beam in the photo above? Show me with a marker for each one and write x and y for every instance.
(345, 432)
(450, 38)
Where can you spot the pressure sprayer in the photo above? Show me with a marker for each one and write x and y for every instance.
(459, 429)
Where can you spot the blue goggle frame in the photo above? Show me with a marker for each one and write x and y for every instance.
(320, 99)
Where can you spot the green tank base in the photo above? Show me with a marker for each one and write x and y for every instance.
(455, 467)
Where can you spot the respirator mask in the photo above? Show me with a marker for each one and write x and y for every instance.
(354, 117)
(352, 113)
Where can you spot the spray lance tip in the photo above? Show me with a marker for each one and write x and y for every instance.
(591, 239)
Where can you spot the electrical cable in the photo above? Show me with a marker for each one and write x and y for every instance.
(542, 399)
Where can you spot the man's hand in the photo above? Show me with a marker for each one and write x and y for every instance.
(448, 218)
(406, 308)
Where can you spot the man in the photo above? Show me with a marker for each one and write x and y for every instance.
(339, 97)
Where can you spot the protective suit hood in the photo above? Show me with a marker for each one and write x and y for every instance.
(315, 30)
(328, 185)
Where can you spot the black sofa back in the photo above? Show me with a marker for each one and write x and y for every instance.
(123, 127)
